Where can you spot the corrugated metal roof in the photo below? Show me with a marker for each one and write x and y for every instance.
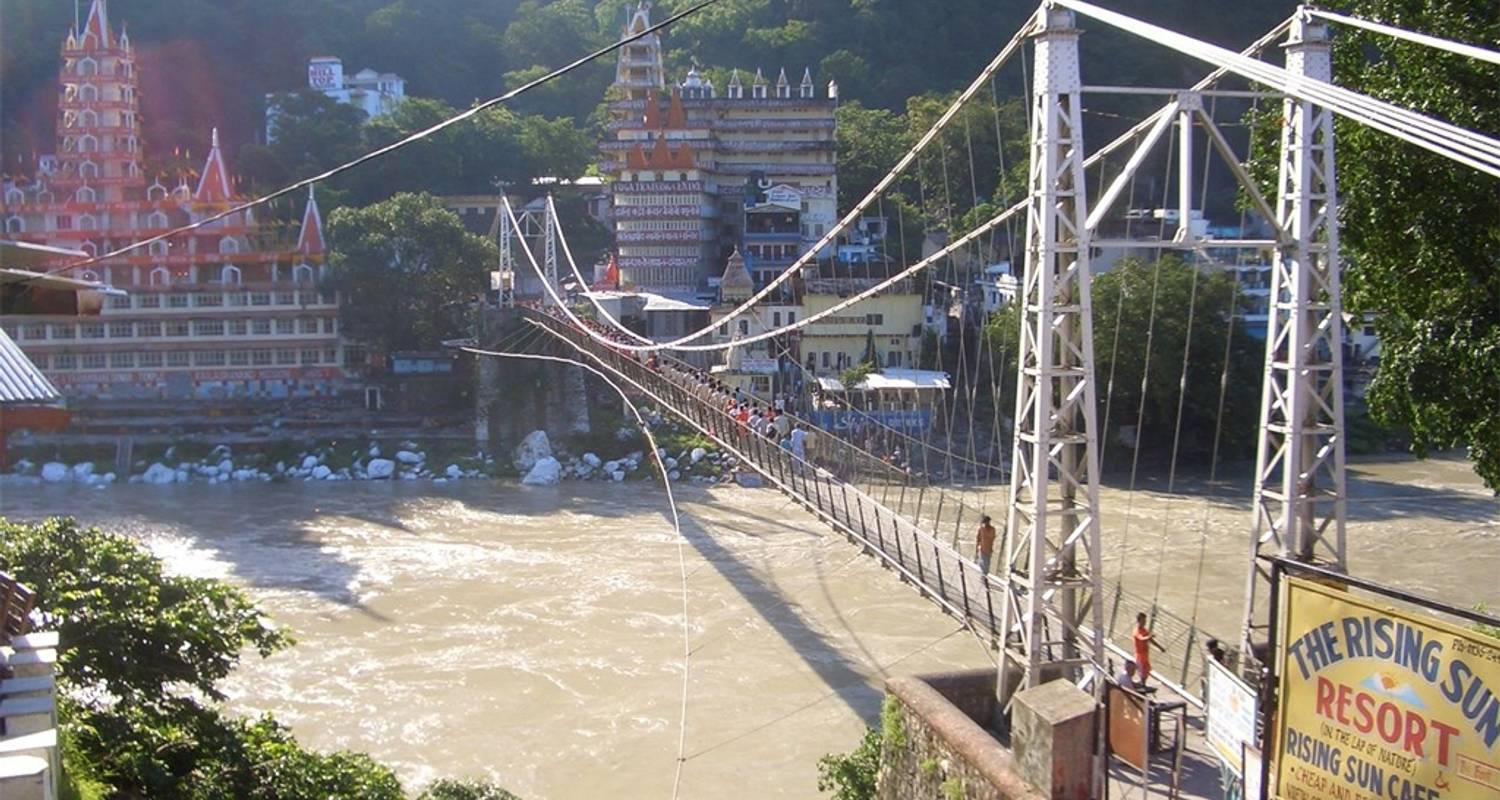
(20, 381)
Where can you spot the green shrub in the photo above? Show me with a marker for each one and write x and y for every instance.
(852, 776)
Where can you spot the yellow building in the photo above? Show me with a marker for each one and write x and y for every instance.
(836, 343)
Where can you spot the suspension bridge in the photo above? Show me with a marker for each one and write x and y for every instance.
(1047, 608)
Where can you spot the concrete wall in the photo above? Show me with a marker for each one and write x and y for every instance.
(933, 747)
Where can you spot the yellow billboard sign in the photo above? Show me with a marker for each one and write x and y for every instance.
(1380, 704)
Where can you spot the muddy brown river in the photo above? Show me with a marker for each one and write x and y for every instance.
(534, 636)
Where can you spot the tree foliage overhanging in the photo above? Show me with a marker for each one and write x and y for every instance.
(142, 653)
(1421, 234)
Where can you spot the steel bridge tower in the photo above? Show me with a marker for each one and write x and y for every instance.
(1299, 466)
(1052, 618)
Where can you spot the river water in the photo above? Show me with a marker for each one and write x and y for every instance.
(534, 636)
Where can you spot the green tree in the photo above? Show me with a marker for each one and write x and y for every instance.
(870, 142)
(852, 776)
(311, 132)
(1421, 234)
(1122, 299)
(142, 654)
(448, 789)
(407, 271)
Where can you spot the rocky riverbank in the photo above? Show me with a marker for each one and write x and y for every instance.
(536, 461)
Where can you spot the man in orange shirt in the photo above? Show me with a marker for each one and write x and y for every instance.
(984, 544)
(1144, 640)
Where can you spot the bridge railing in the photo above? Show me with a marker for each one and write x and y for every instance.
(826, 482)
(894, 516)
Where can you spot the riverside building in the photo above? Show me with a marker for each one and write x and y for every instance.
(231, 309)
(696, 174)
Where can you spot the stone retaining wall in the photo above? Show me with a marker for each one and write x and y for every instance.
(933, 745)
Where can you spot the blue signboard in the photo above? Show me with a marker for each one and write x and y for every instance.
(843, 422)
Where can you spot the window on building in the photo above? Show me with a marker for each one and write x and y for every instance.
(177, 300)
(874, 319)
(286, 298)
(286, 357)
(744, 327)
(208, 358)
(825, 359)
(330, 355)
(330, 325)
(1369, 330)
(354, 356)
(724, 329)
(239, 358)
(260, 358)
(229, 275)
(229, 244)
(260, 327)
(65, 222)
(307, 326)
(893, 358)
(65, 361)
(286, 327)
(63, 331)
(148, 300)
(260, 298)
(177, 327)
(178, 358)
(35, 333)
(122, 360)
(121, 330)
(209, 299)
(208, 327)
(775, 319)
(157, 248)
(14, 224)
(91, 361)
(310, 356)
(119, 303)
(148, 359)
(239, 299)
(238, 327)
(758, 92)
(91, 330)
(148, 328)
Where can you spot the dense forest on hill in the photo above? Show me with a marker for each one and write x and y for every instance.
(211, 62)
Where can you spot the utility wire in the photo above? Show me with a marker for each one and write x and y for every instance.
(676, 528)
(393, 146)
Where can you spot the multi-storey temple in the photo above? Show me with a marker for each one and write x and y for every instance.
(227, 310)
(697, 175)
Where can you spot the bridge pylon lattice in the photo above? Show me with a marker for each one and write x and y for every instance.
(1052, 619)
(1299, 492)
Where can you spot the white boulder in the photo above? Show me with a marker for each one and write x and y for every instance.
(592, 460)
(674, 475)
(56, 472)
(698, 454)
(611, 466)
(453, 472)
(374, 451)
(81, 472)
(618, 475)
(545, 472)
(24, 467)
(535, 447)
(321, 472)
(226, 467)
(380, 468)
(310, 462)
(408, 457)
(159, 474)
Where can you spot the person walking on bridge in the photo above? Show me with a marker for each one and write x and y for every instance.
(1144, 640)
(984, 544)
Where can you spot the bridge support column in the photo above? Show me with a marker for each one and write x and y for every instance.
(1299, 466)
(1051, 551)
